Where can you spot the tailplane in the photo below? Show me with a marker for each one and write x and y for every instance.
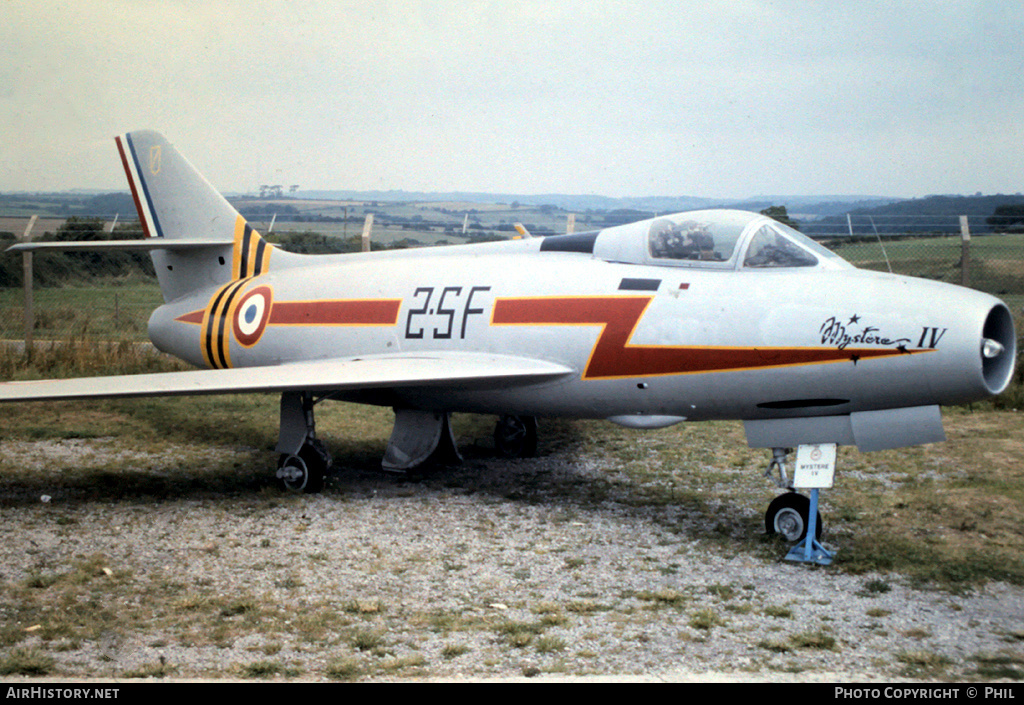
(198, 239)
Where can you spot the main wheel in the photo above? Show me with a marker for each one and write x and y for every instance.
(307, 471)
(788, 516)
(516, 436)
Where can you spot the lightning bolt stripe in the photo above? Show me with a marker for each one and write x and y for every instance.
(613, 356)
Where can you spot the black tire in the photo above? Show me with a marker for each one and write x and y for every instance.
(307, 470)
(516, 436)
(788, 516)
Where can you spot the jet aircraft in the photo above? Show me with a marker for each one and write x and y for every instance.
(711, 314)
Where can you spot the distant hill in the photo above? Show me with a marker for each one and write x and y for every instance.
(823, 215)
(567, 202)
(917, 215)
(804, 206)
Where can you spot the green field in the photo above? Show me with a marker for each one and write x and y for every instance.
(111, 312)
(996, 262)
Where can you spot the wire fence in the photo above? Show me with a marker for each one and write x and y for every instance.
(91, 296)
(959, 249)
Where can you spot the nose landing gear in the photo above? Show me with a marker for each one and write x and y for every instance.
(793, 516)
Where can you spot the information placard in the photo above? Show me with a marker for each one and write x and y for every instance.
(815, 466)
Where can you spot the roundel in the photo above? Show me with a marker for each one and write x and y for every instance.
(252, 314)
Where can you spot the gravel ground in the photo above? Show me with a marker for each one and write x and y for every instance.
(491, 569)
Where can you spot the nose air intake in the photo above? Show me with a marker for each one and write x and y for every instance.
(998, 349)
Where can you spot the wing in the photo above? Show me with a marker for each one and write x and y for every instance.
(372, 371)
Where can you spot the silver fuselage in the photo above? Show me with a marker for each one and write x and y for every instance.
(646, 341)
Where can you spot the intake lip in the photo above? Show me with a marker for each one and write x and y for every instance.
(997, 370)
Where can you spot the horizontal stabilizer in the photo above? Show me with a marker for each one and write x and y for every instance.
(370, 372)
(144, 245)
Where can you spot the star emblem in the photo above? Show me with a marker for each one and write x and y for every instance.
(854, 319)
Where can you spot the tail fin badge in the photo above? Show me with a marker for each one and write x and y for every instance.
(155, 159)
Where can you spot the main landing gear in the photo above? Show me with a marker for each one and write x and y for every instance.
(516, 436)
(417, 436)
(788, 514)
(304, 461)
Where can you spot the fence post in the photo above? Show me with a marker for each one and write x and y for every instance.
(367, 228)
(965, 252)
(26, 268)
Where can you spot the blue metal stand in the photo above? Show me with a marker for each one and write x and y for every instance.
(809, 550)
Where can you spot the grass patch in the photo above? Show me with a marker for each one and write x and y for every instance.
(1009, 666)
(814, 640)
(151, 670)
(453, 651)
(519, 634)
(26, 662)
(367, 640)
(923, 664)
(876, 586)
(706, 620)
(344, 669)
(269, 669)
(775, 646)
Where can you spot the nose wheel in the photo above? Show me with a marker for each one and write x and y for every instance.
(794, 516)
(789, 516)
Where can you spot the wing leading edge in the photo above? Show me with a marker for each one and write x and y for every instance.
(369, 372)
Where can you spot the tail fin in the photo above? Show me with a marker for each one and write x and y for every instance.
(176, 203)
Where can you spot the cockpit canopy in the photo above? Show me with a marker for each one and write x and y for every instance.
(719, 239)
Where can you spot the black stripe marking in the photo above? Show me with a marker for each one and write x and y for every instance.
(222, 340)
(243, 269)
(577, 242)
(261, 247)
(639, 284)
(210, 325)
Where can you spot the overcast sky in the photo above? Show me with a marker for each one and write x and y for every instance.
(654, 97)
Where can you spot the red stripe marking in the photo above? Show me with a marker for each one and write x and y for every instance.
(366, 312)
(195, 317)
(131, 184)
